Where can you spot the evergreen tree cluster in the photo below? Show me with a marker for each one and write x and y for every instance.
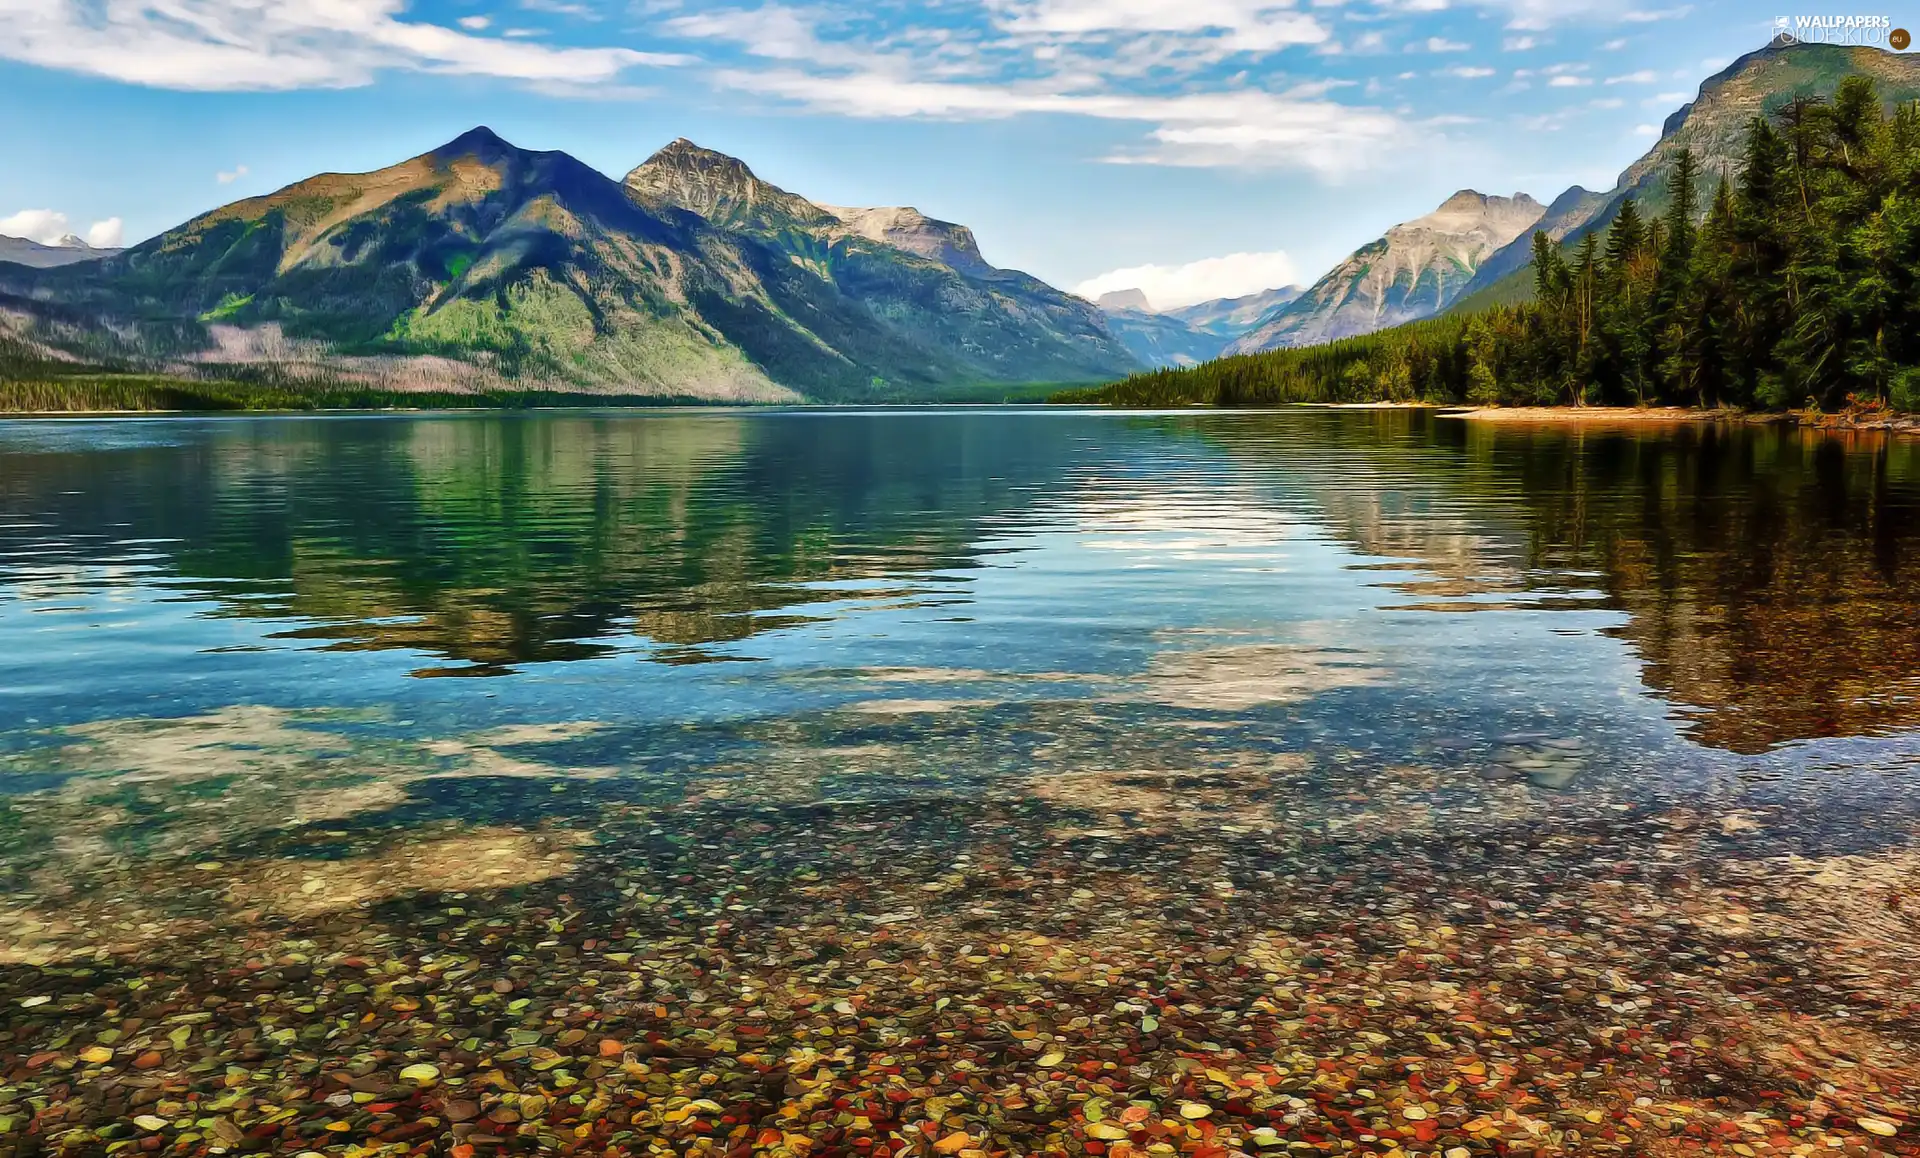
(1801, 286)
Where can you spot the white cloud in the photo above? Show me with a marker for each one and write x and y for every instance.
(1668, 99)
(1245, 25)
(1654, 15)
(42, 225)
(1518, 43)
(1565, 80)
(1466, 72)
(108, 234)
(560, 8)
(1644, 76)
(1614, 45)
(773, 32)
(1442, 44)
(475, 23)
(229, 176)
(1646, 130)
(1538, 15)
(1241, 127)
(49, 226)
(260, 45)
(1172, 286)
(1607, 103)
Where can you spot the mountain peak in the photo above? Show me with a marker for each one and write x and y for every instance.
(1416, 270)
(720, 188)
(680, 152)
(1126, 299)
(906, 228)
(1470, 211)
(479, 141)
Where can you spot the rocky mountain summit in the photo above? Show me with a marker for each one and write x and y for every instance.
(1414, 271)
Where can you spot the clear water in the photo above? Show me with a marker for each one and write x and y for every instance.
(215, 633)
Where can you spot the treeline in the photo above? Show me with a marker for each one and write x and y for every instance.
(1800, 286)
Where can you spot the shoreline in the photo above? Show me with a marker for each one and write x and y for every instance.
(1884, 421)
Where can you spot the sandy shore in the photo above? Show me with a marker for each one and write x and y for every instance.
(1673, 415)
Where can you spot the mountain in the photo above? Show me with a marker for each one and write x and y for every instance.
(922, 280)
(908, 229)
(66, 251)
(1191, 334)
(1158, 340)
(1568, 213)
(1235, 316)
(482, 266)
(1714, 126)
(1413, 272)
(1126, 299)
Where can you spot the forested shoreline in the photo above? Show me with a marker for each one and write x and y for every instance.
(1800, 287)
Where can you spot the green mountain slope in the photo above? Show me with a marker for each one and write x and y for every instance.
(922, 279)
(483, 267)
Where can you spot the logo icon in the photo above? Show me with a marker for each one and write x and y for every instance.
(1783, 30)
(1899, 39)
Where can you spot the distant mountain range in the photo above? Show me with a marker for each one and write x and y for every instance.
(1191, 334)
(482, 266)
(65, 251)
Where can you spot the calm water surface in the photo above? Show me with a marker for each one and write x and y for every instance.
(214, 630)
(810, 604)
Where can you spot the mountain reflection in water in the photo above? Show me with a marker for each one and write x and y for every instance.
(1767, 576)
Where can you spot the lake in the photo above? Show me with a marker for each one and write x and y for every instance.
(996, 781)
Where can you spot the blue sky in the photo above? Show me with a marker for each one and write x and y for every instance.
(1216, 146)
